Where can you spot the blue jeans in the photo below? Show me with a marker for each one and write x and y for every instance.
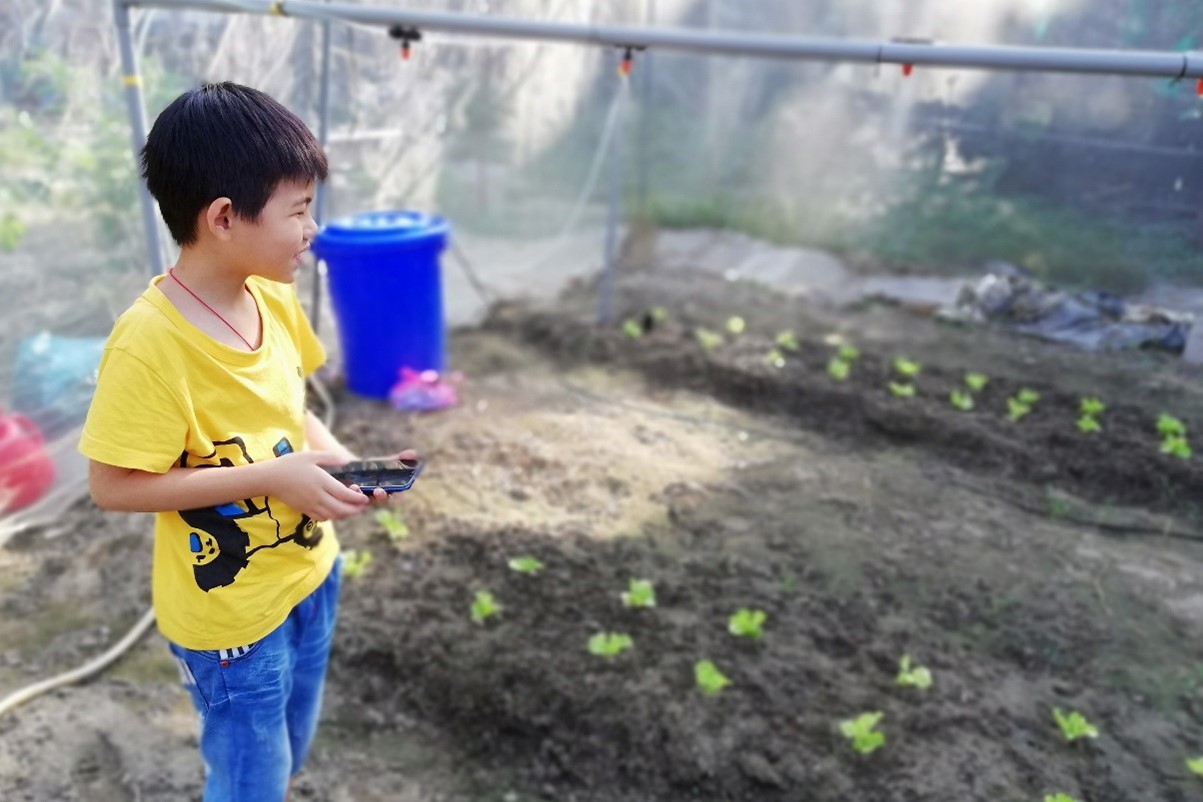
(259, 703)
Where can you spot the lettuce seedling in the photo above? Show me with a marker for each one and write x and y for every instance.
(1088, 425)
(848, 353)
(1177, 446)
(838, 369)
(1091, 407)
(775, 358)
(709, 678)
(392, 523)
(632, 328)
(1059, 798)
(640, 593)
(1195, 766)
(1016, 409)
(1169, 426)
(736, 325)
(917, 677)
(902, 389)
(787, 341)
(906, 367)
(484, 606)
(356, 562)
(1074, 725)
(659, 314)
(747, 623)
(525, 565)
(960, 400)
(1027, 396)
(610, 644)
(709, 340)
(860, 731)
(976, 381)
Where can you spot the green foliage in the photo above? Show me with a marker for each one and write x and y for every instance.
(1074, 725)
(736, 325)
(1059, 798)
(747, 623)
(484, 606)
(1195, 766)
(639, 593)
(838, 369)
(659, 314)
(1026, 396)
(906, 368)
(775, 358)
(632, 329)
(1088, 425)
(356, 562)
(393, 525)
(1017, 409)
(709, 340)
(787, 341)
(902, 389)
(610, 644)
(961, 400)
(1173, 436)
(861, 732)
(1169, 426)
(525, 565)
(1176, 446)
(709, 678)
(1091, 407)
(917, 677)
(976, 381)
(848, 353)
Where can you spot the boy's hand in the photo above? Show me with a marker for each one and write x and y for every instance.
(298, 480)
(379, 497)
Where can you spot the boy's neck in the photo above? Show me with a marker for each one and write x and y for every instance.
(210, 279)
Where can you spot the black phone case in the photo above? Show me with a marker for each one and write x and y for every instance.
(391, 476)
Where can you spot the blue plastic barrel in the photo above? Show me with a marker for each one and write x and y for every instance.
(387, 293)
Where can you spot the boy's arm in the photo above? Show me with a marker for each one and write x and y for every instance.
(295, 479)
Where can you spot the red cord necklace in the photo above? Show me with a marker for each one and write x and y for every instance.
(171, 272)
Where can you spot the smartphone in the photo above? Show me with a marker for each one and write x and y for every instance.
(390, 475)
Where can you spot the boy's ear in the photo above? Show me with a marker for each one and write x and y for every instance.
(218, 218)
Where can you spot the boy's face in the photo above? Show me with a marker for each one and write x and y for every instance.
(273, 245)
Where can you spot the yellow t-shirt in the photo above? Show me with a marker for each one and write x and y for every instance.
(169, 395)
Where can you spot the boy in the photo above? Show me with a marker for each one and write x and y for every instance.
(207, 370)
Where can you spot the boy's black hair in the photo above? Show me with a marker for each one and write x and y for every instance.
(224, 140)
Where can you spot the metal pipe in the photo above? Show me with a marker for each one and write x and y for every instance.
(617, 155)
(323, 188)
(1100, 62)
(137, 118)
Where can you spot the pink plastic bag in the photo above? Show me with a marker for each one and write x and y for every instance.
(424, 390)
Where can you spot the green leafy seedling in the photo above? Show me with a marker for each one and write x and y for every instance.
(484, 606)
(1088, 425)
(1074, 725)
(356, 562)
(902, 389)
(709, 678)
(709, 340)
(393, 525)
(860, 731)
(848, 353)
(906, 367)
(1059, 798)
(736, 325)
(525, 565)
(788, 341)
(1169, 426)
(1176, 446)
(747, 623)
(838, 369)
(917, 677)
(775, 358)
(610, 644)
(1027, 396)
(976, 381)
(632, 328)
(1195, 766)
(960, 400)
(659, 314)
(639, 593)
(1016, 409)
(1091, 407)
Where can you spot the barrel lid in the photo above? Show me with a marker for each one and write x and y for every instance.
(382, 228)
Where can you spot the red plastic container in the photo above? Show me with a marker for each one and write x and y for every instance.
(26, 470)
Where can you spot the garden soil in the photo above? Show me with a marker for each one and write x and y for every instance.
(1029, 566)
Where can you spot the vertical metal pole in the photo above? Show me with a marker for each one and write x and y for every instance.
(323, 190)
(645, 120)
(605, 297)
(137, 120)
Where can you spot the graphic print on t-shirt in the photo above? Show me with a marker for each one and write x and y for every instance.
(219, 544)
